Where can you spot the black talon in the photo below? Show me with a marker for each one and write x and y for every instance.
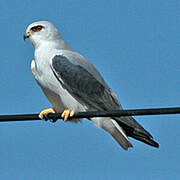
(45, 117)
(53, 120)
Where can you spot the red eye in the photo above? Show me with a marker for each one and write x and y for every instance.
(37, 28)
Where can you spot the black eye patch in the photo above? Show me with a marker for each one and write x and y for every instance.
(37, 28)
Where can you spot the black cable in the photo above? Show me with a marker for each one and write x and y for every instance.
(114, 113)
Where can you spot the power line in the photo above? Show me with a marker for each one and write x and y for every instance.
(114, 113)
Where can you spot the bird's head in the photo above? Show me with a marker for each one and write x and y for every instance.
(41, 32)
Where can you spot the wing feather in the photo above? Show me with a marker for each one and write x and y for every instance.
(91, 90)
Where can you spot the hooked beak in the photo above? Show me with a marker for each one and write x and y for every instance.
(26, 36)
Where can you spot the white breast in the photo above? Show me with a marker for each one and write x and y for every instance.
(56, 94)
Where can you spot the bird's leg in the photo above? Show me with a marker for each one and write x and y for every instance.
(66, 114)
(45, 112)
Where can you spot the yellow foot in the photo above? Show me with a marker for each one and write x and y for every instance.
(66, 114)
(46, 112)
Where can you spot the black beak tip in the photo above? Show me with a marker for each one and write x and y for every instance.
(25, 37)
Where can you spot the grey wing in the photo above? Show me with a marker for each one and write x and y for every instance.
(77, 59)
(82, 85)
(85, 84)
(86, 88)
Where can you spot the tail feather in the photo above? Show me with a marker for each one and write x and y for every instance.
(137, 132)
(113, 128)
(120, 131)
(119, 135)
(146, 140)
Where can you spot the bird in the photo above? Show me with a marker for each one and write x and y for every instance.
(72, 84)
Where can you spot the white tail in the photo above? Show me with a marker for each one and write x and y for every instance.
(113, 128)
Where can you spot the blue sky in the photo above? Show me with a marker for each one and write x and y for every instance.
(135, 45)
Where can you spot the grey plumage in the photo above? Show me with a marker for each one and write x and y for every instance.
(70, 81)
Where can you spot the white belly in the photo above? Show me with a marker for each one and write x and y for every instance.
(56, 94)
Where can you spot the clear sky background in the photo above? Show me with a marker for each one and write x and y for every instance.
(136, 47)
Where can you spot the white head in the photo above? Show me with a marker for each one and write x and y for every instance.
(43, 31)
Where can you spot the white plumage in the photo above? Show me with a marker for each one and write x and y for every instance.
(56, 68)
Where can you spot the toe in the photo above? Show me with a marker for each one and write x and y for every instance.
(71, 113)
(41, 115)
(66, 114)
(44, 113)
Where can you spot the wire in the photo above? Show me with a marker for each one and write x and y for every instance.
(114, 113)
